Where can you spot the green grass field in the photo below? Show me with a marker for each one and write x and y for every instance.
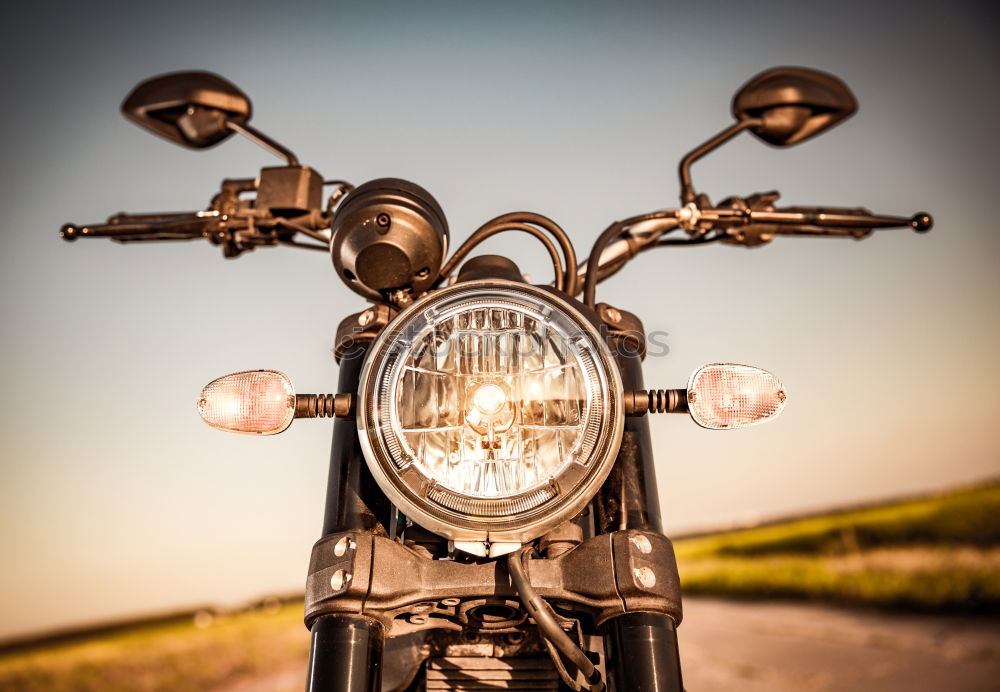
(190, 653)
(936, 553)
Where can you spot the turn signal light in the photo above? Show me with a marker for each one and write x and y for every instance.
(260, 402)
(725, 395)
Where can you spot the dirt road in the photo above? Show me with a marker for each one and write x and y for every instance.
(783, 647)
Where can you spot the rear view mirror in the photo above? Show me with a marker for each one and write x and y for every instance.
(193, 109)
(782, 106)
(793, 104)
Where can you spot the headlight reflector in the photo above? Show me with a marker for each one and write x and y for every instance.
(490, 411)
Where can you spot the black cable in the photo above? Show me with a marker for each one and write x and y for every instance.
(560, 666)
(691, 241)
(342, 183)
(494, 227)
(307, 246)
(343, 189)
(569, 253)
(292, 226)
(541, 612)
(611, 232)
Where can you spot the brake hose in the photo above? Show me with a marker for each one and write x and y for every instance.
(491, 229)
(527, 222)
(541, 612)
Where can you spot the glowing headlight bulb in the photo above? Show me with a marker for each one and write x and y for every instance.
(489, 399)
(490, 413)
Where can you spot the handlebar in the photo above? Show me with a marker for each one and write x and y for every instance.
(740, 224)
(236, 233)
(750, 222)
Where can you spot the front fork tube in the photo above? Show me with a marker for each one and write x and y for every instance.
(346, 654)
(641, 648)
(346, 650)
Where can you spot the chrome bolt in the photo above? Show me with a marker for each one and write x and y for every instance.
(365, 318)
(340, 579)
(645, 576)
(343, 545)
(417, 619)
(450, 602)
(614, 315)
(642, 543)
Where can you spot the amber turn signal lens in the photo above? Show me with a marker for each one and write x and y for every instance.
(260, 402)
(725, 395)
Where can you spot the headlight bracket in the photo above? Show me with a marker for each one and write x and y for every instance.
(601, 578)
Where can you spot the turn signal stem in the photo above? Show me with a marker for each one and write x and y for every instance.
(639, 402)
(324, 406)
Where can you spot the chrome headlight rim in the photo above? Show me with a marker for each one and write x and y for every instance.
(563, 497)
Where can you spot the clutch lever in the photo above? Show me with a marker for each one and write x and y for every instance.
(126, 228)
(753, 227)
(822, 219)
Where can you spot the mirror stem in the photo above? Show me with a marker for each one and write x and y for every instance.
(262, 140)
(688, 194)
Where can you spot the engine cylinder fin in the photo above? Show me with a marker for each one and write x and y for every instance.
(491, 673)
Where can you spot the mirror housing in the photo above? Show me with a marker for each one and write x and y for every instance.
(782, 106)
(793, 104)
(192, 109)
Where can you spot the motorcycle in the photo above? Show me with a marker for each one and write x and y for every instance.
(491, 518)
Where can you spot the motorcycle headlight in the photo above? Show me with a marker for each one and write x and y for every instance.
(490, 412)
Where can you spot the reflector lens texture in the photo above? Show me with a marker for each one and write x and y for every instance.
(491, 401)
(725, 395)
(254, 401)
(490, 411)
